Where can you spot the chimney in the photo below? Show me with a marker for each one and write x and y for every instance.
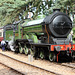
(56, 10)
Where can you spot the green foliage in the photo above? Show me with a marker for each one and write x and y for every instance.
(74, 21)
(12, 8)
(64, 5)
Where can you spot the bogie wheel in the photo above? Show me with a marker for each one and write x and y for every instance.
(42, 55)
(52, 57)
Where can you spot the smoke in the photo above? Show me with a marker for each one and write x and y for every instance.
(11, 45)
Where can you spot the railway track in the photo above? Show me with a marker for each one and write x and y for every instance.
(22, 72)
(12, 68)
(67, 64)
(70, 65)
(5, 70)
(46, 66)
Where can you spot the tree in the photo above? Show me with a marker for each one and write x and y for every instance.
(64, 5)
(10, 9)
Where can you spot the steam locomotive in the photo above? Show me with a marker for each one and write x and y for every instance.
(46, 37)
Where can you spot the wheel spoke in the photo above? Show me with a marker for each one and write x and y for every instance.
(26, 50)
(20, 50)
(41, 55)
(52, 57)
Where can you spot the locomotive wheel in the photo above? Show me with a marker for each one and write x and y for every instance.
(26, 51)
(20, 50)
(52, 57)
(42, 55)
(32, 51)
(16, 49)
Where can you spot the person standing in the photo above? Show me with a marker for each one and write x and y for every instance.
(3, 45)
(70, 36)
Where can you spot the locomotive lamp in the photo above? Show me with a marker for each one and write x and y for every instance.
(57, 48)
